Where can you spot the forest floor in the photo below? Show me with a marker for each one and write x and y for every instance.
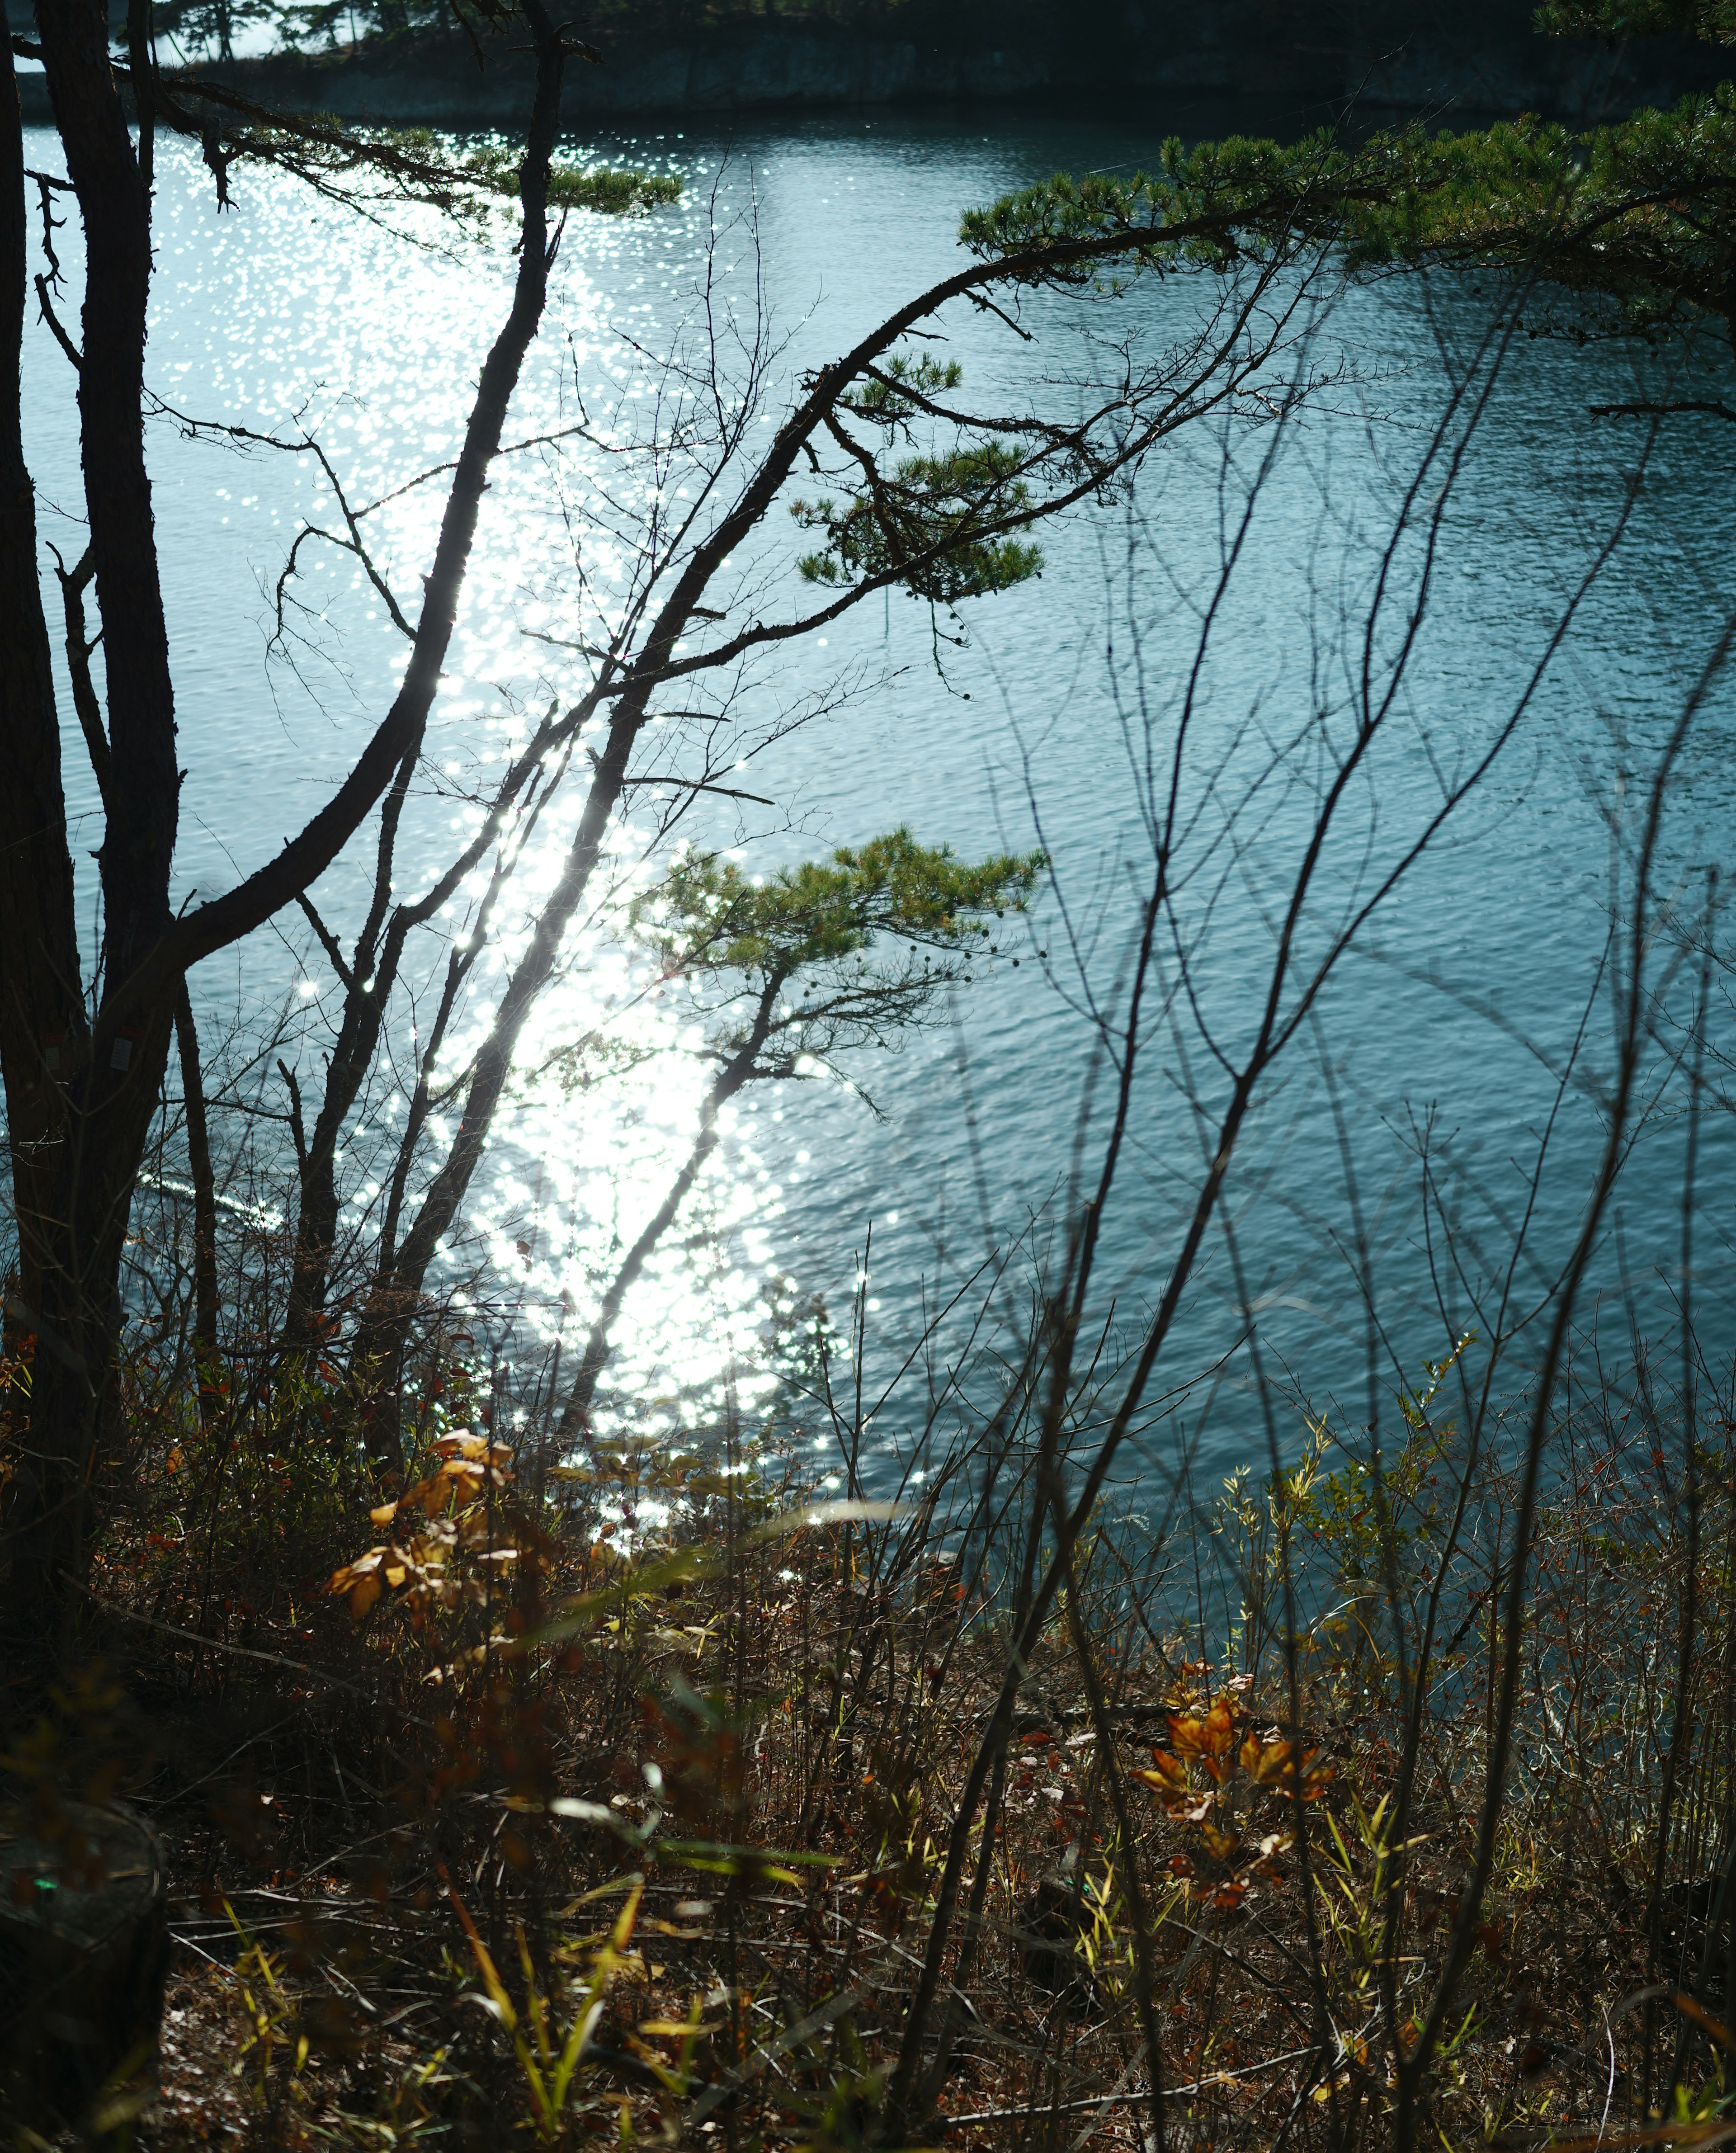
(712, 1827)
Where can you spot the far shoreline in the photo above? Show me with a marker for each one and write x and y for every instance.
(1453, 70)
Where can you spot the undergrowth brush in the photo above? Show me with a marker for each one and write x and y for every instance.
(612, 1801)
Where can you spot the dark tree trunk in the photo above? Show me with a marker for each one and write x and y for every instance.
(368, 982)
(143, 809)
(316, 1238)
(42, 1011)
(112, 1093)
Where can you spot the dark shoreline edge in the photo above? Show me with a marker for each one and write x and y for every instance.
(1457, 64)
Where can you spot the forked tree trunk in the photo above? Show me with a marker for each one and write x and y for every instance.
(81, 1097)
(108, 1088)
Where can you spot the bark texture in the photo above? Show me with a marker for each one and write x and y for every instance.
(110, 1092)
(42, 1011)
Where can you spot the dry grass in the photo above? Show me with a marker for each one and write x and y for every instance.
(693, 1788)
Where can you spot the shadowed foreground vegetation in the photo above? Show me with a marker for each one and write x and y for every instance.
(615, 1801)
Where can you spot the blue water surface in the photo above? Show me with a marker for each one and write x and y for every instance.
(1391, 1159)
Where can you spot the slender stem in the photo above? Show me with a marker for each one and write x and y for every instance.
(205, 1203)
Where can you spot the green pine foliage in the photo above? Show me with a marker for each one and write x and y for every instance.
(844, 953)
(905, 388)
(1203, 207)
(1617, 20)
(610, 190)
(937, 524)
(1640, 218)
(363, 167)
(1636, 220)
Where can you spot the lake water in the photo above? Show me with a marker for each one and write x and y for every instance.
(1028, 720)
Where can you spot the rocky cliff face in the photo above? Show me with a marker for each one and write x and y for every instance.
(1389, 56)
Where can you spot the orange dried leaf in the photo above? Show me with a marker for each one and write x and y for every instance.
(342, 1580)
(1187, 1736)
(384, 1515)
(1276, 1763)
(364, 1593)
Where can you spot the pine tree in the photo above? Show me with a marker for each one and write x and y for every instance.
(793, 973)
(1618, 230)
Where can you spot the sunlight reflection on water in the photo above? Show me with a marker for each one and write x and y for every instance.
(290, 319)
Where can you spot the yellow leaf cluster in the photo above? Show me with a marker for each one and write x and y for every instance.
(1192, 1777)
(443, 1516)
